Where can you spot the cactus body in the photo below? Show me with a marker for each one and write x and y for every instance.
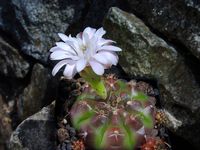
(122, 121)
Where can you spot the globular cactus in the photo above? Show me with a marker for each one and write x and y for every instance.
(122, 121)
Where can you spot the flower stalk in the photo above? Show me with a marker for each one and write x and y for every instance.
(94, 81)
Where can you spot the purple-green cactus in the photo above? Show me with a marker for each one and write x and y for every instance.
(122, 121)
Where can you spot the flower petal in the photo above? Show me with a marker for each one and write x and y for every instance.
(110, 48)
(79, 35)
(62, 45)
(69, 71)
(65, 46)
(89, 31)
(75, 45)
(58, 66)
(101, 58)
(103, 41)
(97, 67)
(55, 48)
(106, 58)
(85, 38)
(63, 37)
(100, 32)
(58, 55)
(80, 64)
(62, 55)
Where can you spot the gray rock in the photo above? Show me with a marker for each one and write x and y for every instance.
(12, 64)
(34, 24)
(5, 124)
(145, 54)
(178, 20)
(33, 97)
(36, 132)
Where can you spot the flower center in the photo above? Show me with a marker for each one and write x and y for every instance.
(83, 48)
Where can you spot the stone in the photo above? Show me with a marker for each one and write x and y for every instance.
(34, 25)
(5, 124)
(147, 55)
(36, 132)
(34, 96)
(12, 63)
(177, 20)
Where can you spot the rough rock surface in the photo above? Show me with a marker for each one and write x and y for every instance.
(12, 63)
(5, 124)
(147, 55)
(36, 132)
(34, 95)
(34, 24)
(176, 19)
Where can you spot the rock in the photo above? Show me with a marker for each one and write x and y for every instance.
(145, 54)
(36, 132)
(34, 24)
(12, 64)
(34, 97)
(177, 20)
(5, 124)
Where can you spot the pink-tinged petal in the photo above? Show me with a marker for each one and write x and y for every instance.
(79, 35)
(89, 31)
(58, 55)
(100, 32)
(91, 46)
(112, 57)
(106, 58)
(69, 71)
(55, 48)
(85, 38)
(110, 48)
(58, 66)
(97, 67)
(101, 58)
(81, 64)
(61, 55)
(62, 45)
(66, 47)
(102, 42)
(75, 45)
(63, 37)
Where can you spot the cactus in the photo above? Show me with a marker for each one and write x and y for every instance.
(124, 120)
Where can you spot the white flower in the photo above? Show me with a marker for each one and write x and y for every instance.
(88, 48)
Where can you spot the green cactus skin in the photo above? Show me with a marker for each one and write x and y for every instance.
(122, 121)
